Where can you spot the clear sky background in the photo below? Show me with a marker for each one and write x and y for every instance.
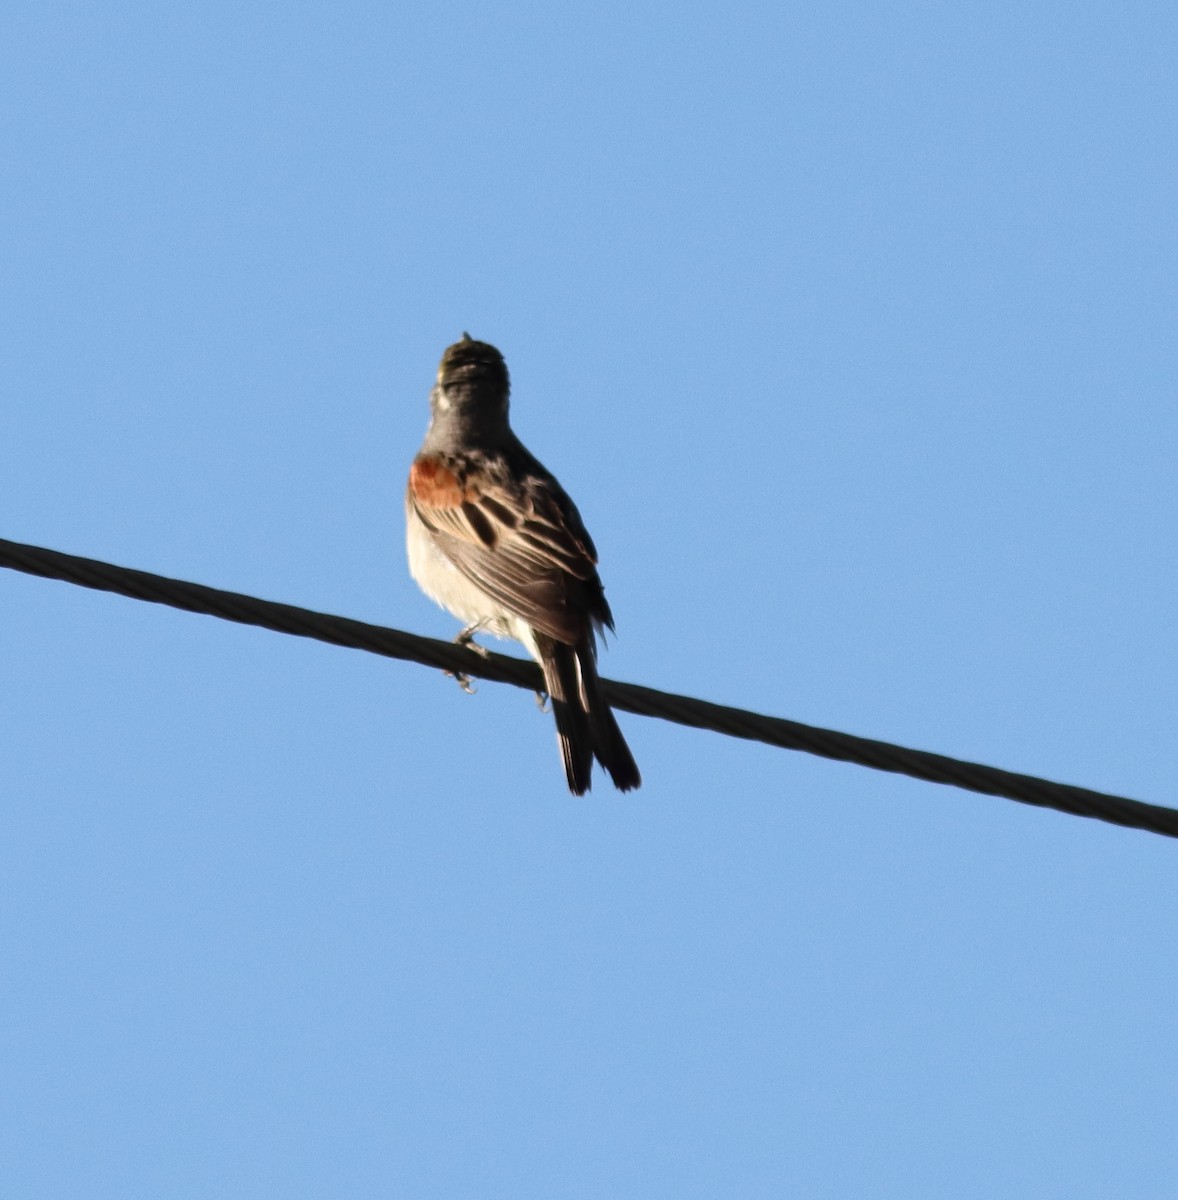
(852, 329)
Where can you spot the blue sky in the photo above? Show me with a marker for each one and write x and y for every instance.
(851, 329)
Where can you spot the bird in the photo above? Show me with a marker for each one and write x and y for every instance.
(494, 539)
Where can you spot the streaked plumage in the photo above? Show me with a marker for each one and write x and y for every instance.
(494, 538)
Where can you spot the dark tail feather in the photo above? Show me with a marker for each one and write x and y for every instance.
(573, 733)
(608, 743)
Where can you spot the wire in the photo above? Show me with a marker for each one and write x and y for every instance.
(647, 702)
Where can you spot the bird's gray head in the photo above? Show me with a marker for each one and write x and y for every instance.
(472, 378)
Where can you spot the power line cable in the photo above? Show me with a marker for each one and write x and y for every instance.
(647, 702)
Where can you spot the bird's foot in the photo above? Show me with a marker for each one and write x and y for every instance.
(466, 639)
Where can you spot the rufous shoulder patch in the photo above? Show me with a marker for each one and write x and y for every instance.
(434, 485)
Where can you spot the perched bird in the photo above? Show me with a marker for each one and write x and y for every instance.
(495, 539)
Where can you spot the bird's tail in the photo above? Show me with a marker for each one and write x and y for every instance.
(585, 724)
(573, 733)
(609, 746)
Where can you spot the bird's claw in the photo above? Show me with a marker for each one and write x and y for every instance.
(462, 680)
(466, 640)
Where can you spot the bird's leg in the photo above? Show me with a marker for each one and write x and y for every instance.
(466, 638)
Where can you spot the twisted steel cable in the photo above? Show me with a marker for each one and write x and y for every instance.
(647, 702)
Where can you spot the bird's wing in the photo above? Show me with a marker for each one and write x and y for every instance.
(520, 541)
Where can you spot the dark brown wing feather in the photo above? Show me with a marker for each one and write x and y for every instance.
(519, 540)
